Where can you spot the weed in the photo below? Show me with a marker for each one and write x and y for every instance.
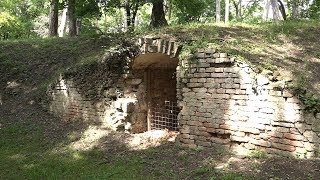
(258, 154)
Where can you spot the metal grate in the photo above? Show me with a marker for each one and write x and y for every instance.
(165, 118)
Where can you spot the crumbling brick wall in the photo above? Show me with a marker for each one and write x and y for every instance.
(225, 102)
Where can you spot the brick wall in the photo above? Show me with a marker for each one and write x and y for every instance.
(225, 102)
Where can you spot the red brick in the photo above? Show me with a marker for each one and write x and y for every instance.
(260, 143)
(251, 130)
(224, 126)
(239, 139)
(294, 136)
(283, 147)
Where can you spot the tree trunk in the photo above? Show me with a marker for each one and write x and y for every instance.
(128, 14)
(282, 10)
(71, 18)
(134, 14)
(158, 18)
(266, 10)
(62, 28)
(236, 8)
(275, 10)
(227, 8)
(79, 26)
(53, 19)
(169, 9)
(218, 11)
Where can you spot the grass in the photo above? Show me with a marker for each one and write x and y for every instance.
(290, 47)
(27, 154)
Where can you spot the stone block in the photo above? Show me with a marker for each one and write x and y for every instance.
(200, 55)
(194, 123)
(230, 91)
(260, 142)
(223, 55)
(210, 69)
(294, 136)
(201, 80)
(239, 139)
(216, 55)
(279, 152)
(301, 150)
(218, 70)
(221, 91)
(219, 140)
(311, 136)
(220, 131)
(282, 129)
(191, 85)
(283, 147)
(199, 90)
(302, 127)
(250, 130)
(218, 75)
(291, 142)
(237, 133)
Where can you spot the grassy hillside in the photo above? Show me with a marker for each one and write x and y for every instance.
(30, 65)
(289, 47)
(35, 145)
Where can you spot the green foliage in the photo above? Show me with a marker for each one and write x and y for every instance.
(257, 154)
(87, 8)
(191, 10)
(314, 11)
(8, 23)
(309, 100)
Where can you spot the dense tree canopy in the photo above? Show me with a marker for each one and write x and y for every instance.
(32, 18)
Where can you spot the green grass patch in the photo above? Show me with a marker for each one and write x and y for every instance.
(26, 154)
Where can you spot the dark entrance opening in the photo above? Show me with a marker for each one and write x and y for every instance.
(162, 100)
(161, 97)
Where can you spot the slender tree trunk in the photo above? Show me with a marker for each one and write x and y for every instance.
(218, 11)
(282, 10)
(134, 14)
(79, 26)
(53, 19)
(71, 18)
(158, 18)
(240, 9)
(128, 14)
(169, 9)
(227, 9)
(62, 28)
(236, 8)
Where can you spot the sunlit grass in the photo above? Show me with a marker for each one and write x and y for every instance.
(27, 154)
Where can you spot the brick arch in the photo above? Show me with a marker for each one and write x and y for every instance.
(156, 52)
(157, 62)
(158, 45)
